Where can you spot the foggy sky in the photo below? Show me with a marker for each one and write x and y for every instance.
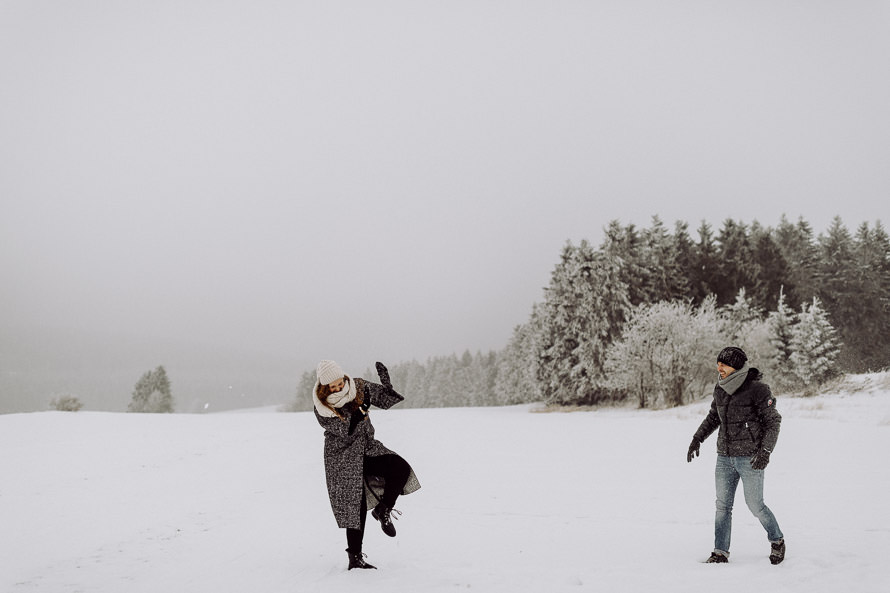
(395, 180)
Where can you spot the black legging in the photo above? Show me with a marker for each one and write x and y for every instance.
(395, 471)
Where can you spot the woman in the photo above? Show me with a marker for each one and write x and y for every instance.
(361, 473)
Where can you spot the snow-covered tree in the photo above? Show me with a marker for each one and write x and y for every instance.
(66, 403)
(586, 304)
(739, 316)
(517, 367)
(814, 345)
(152, 393)
(665, 356)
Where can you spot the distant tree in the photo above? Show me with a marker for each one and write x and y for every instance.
(303, 400)
(797, 245)
(814, 346)
(739, 315)
(66, 403)
(769, 270)
(780, 323)
(152, 393)
(683, 255)
(703, 274)
(585, 307)
(865, 330)
(624, 246)
(517, 367)
(734, 265)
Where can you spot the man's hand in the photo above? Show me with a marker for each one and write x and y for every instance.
(694, 448)
(760, 459)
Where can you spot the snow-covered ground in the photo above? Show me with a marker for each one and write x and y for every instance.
(511, 501)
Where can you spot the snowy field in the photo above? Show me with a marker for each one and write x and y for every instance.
(511, 501)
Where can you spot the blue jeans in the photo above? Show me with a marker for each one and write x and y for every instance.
(727, 474)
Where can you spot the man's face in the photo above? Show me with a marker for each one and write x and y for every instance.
(724, 370)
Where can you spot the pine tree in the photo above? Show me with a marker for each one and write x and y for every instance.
(781, 323)
(585, 306)
(769, 270)
(626, 247)
(734, 261)
(739, 314)
(152, 393)
(839, 289)
(797, 246)
(814, 345)
(703, 275)
(865, 337)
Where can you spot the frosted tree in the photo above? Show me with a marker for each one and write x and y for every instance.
(814, 345)
(739, 315)
(666, 352)
(517, 367)
(586, 304)
(781, 322)
(152, 393)
(66, 403)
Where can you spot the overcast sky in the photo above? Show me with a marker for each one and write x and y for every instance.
(394, 180)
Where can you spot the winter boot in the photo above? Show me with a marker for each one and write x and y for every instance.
(717, 558)
(777, 551)
(357, 560)
(383, 514)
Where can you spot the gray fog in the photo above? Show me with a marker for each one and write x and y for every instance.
(395, 180)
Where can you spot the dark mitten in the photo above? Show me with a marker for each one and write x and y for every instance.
(694, 448)
(760, 459)
(383, 373)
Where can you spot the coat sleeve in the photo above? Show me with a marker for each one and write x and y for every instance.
(382, 397)
(770, 419)
(709, 424)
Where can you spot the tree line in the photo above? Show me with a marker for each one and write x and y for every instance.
(642, 316)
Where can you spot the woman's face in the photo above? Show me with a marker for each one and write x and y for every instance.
(337, 385)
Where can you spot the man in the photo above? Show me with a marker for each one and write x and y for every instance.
(744, 411)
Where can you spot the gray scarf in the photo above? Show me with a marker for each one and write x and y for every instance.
(732, 382)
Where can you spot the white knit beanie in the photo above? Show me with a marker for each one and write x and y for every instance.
(328, 371)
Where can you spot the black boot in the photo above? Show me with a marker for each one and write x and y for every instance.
(717, 558)
(383, 514)
(777, 552)
(357, 560)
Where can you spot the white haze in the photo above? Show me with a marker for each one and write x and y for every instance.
(394, 180)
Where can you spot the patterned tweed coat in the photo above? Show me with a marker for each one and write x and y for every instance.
(344, 456)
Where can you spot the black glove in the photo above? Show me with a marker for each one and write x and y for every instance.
(694, 448)
(384, 375)
(760, 459)
(357, 416)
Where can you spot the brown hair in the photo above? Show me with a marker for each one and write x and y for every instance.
(324, 391)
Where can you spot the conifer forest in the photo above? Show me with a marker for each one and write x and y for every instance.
(640, 318)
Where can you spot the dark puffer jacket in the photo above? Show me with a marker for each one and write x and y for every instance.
(747, 419)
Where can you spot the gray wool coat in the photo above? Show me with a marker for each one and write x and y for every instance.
(344, 457)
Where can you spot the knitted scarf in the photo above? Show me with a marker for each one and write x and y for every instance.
(337, 400)
(732, 382)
